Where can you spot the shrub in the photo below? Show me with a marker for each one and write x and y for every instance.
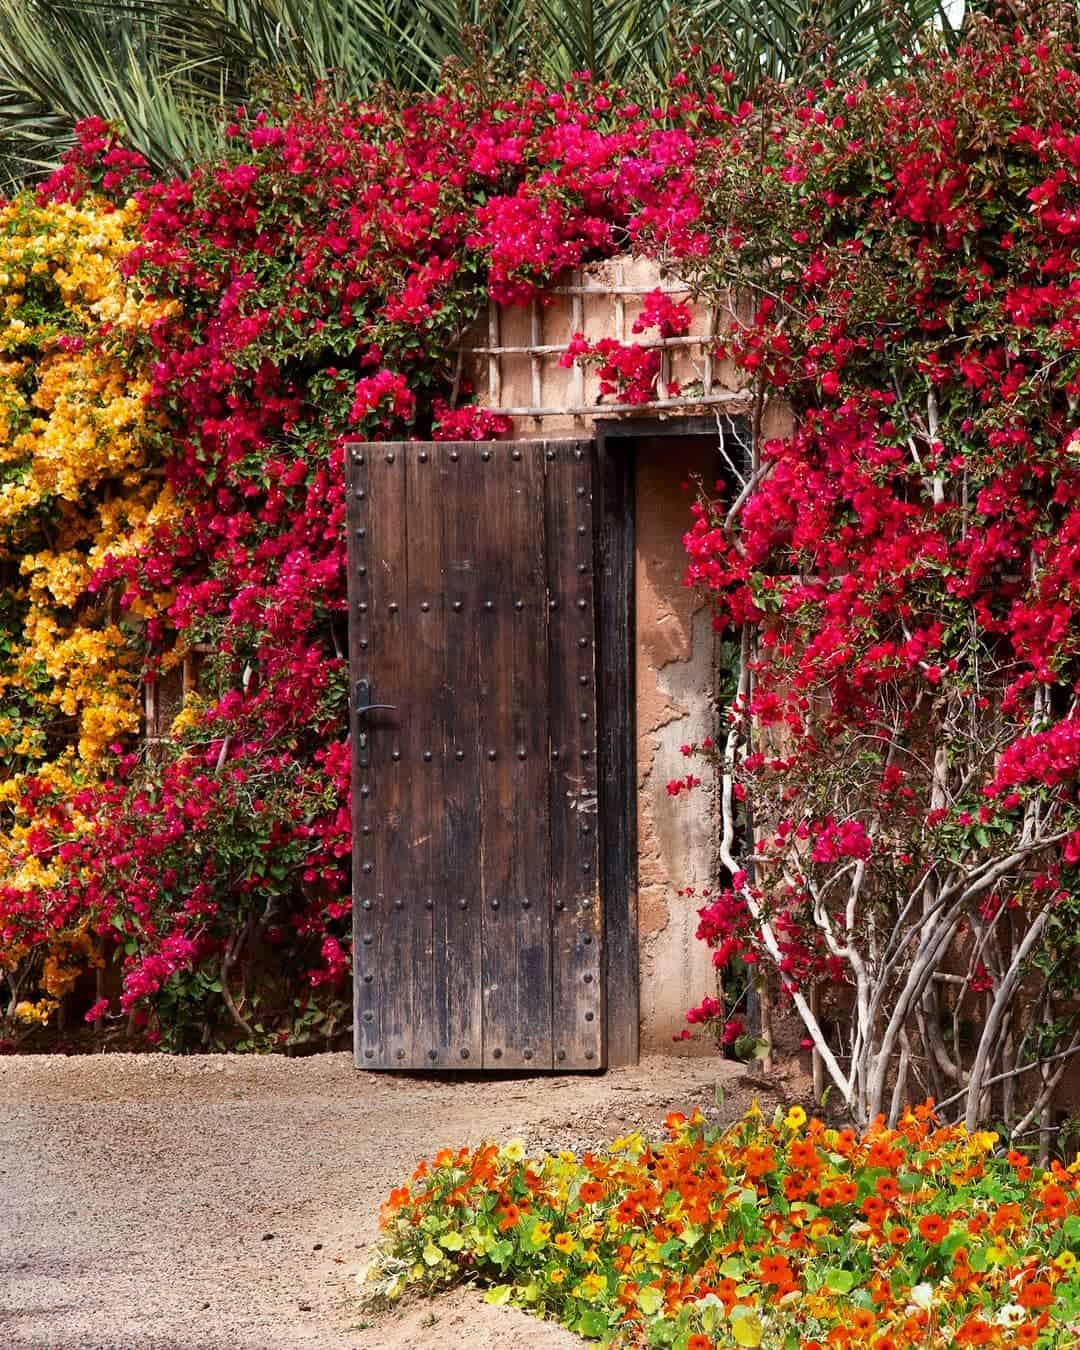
(784, 1234)
(76, 487)
(900, 574)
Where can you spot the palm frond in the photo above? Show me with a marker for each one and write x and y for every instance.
(167, 71)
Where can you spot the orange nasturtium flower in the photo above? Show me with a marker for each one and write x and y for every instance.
(760, 1161)
(1055, 1201)
(775, 1270)
(933, 1228)
(802, 1153)
(510, 1215)
(1036, 1294)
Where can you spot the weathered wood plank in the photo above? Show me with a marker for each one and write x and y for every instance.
(421, 777)
(618, 745)
(367, 1018)
(513, 697)
(388, 1024)
(530, 763)
(495, 799)
(457, 915)
(577, 917)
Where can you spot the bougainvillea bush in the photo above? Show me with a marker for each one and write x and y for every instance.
(317, 282)
(902, 574)
(783, 1234)
(899, 574)
(77, 485)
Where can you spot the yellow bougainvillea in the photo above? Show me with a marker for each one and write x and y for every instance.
(77, 485)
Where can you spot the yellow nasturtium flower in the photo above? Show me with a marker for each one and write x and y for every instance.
(592, 1286)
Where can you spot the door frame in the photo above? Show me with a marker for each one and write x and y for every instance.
(615, 506)
(614, 511)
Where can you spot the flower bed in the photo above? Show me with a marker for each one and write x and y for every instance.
(784, 1234)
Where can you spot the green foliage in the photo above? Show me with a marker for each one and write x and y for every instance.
(167, 70)
(781, 1234)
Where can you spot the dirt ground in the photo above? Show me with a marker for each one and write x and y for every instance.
(226, 1203)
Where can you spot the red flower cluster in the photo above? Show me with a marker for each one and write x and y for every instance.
(904, 569)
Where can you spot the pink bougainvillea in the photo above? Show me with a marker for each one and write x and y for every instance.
(900, 574)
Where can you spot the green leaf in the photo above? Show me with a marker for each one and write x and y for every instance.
(839, 1281)
(432, 1255)
(453, 1242)
(592, 1322)
(498, 1295)
(650, 1300)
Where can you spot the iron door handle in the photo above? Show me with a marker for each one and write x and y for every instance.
(361, 707)
(362, 699)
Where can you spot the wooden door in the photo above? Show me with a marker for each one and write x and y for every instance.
(478, 930)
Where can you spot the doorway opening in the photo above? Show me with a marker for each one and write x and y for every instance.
(680, 673)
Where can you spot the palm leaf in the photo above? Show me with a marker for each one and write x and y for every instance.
(168, 70)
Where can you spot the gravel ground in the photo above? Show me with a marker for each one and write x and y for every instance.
(225, 1202)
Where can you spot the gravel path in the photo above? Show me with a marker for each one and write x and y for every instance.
(226, 1203)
